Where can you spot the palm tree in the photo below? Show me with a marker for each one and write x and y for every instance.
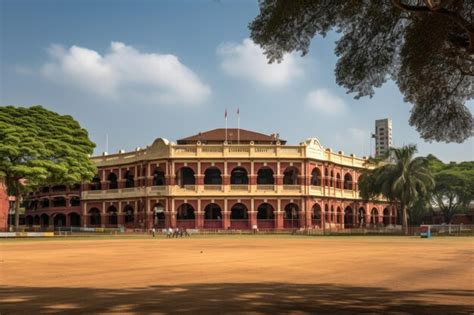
(402, 179)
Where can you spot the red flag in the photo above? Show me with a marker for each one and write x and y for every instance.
(225, 115)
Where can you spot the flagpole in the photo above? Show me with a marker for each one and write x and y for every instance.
(107, 142)
(238, 126)
(226, 125)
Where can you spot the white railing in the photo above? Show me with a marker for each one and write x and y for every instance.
(291, 187)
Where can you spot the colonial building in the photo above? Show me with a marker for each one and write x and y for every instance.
(219, 179)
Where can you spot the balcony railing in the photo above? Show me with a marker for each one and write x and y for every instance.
(291, 187)
(265, 187)
(239, 187)
(213, 187)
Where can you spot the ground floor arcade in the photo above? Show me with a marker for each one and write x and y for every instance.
(264, 213)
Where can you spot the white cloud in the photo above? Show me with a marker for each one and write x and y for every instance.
(247, 61)
(124, 73)
(325, 102)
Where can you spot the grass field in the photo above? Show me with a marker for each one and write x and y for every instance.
(238, 274)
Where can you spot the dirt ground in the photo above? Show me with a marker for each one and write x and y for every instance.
(238, 274)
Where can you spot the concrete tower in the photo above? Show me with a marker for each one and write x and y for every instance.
(383, 136)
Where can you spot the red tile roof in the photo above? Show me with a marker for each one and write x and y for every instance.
(218, 136)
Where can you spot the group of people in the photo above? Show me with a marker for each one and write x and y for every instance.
(170, 232)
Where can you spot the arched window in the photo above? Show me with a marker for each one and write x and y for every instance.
(158, 177)
(129, 179)
(239, 176)
(94, 217)
(129, 214)
(361, 216)
(112, 215)
(338, 215)
(290, 176)
(338, 180)
(386, 216)
(316, 177)
(373, 216)
(185, 176)
(348, 181)
(239, 212)
(59, 202)
(212, 212)
(75, 201)
(265, 212)
(113, 183)
(44, 220)
(95, 184)
(75, 219)
(59, 220)
(185, 212)
(212, 176)
(265, 176)
(348, 217)
(316, 214)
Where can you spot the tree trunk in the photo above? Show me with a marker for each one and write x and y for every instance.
(404, 219)
(17, 212)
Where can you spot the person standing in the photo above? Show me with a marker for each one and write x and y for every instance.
(153, 231)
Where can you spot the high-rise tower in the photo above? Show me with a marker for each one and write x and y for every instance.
(383, 136)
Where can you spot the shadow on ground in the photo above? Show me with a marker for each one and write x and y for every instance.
(267, 298)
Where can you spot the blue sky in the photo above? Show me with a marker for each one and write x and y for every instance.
(138, 70)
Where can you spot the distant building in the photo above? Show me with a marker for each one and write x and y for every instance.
(383, 136)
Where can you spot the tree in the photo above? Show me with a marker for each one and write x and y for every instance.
(425, 46)
(454, 188)
(39, 147)
(403, 179)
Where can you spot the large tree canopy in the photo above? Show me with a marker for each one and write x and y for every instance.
(425, 46)
(40, 147)
(454, 188)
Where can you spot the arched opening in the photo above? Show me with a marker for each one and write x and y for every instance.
(327, 214)
(59, 202)
(373, 216)
(291, 216)
(316, 177)
(95, 183)
(158, 177)
(75, 219)
(386, 217)
(331, 183)
(212, 216)
(75, 201)
(44, 220)
(112, 216)
(265, 176)
(113, 182)
(338, 181)
(159, 219)
(29, 220)
(348, 217)
(333, 215)
(239, 218)
(338, 215)
(129, 179)
(129, 215)
(239, 176)
(348, 181)
(44, 203)
(94, 217)
(265, 216)
(37, 220)
(185, 216)
(58, 188)
(326, 177)
(59, 220)
(361, 216)
(316, 215)
(290, 176)
(212, 176)
(185, 176)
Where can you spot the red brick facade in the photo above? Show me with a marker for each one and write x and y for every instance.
(4, 206)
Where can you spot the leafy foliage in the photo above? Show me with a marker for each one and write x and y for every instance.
(426, 46)
(40, 147)
(402, 179)
(454, 188)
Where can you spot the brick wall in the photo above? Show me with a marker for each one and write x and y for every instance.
(4, 204)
